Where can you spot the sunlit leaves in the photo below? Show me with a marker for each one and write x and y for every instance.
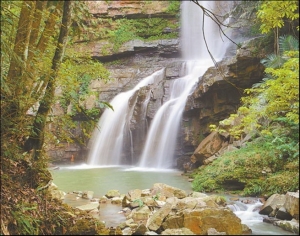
(272, 14)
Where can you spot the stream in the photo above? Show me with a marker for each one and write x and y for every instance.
(101, 179)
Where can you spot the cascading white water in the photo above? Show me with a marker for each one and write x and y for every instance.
(161, 139)
(107, 140)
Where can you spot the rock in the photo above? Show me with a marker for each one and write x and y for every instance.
(155, 221)
(116, 200)
(146, 192)
(167, 191)
(270, 220)
(134, 194)
(198, 195)
(88, 194)
(150, 233)
(112, 193)
(208, 147)
(57, 194)
(173, 201)
(291, 204)
(140, 230)
(103, 199)
(246, 230)
(89, 207)
(181, 231)
(186, 203)
(125, 202)
(272, 204)
(213, 231)
(291, 226)
(127, 231)
(282, 214)
(141, 214)
(222, 219)
(173, 221)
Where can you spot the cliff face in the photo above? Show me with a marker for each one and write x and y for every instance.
(214, 97)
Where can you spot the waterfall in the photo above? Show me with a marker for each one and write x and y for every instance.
(107, 141)
(161, 139)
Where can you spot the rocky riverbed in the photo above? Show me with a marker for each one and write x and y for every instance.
(166, 210)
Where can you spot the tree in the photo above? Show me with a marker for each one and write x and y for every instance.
(36, 139)
(272, 15)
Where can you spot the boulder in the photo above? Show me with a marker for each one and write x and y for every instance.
(141, 214)
(291, 226)
(246, 230)
(168, 191)
(173, 221)
(133, 195)
(112, 193)
(222, 219)
(186, 203)
(273, 203)
(89, 207)
(116, 200)
(282, 214)
(140, 230)
(291, 204)
(208, 147)
(155, 221)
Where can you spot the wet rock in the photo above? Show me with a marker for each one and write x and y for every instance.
(116, 200)
(291, 226)
(88, 194)
(291, 204)
(273, 203)
(246, 230)
(89, 207)
(112, 193)
(282, 214)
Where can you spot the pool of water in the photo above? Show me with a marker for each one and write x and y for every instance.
(101, 179)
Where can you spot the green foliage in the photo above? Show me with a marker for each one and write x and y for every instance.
(139, 201)
(125, 30)
(75, 75)
(174, 7)
(272, 14)
(275, 97)
(258, 165)
(25, 222)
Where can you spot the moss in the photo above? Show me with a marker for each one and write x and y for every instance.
(246, 167)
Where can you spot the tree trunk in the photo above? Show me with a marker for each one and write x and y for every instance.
(36, 139)
(18, 61)
(38, 47)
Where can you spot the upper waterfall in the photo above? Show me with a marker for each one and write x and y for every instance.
(113, 132)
